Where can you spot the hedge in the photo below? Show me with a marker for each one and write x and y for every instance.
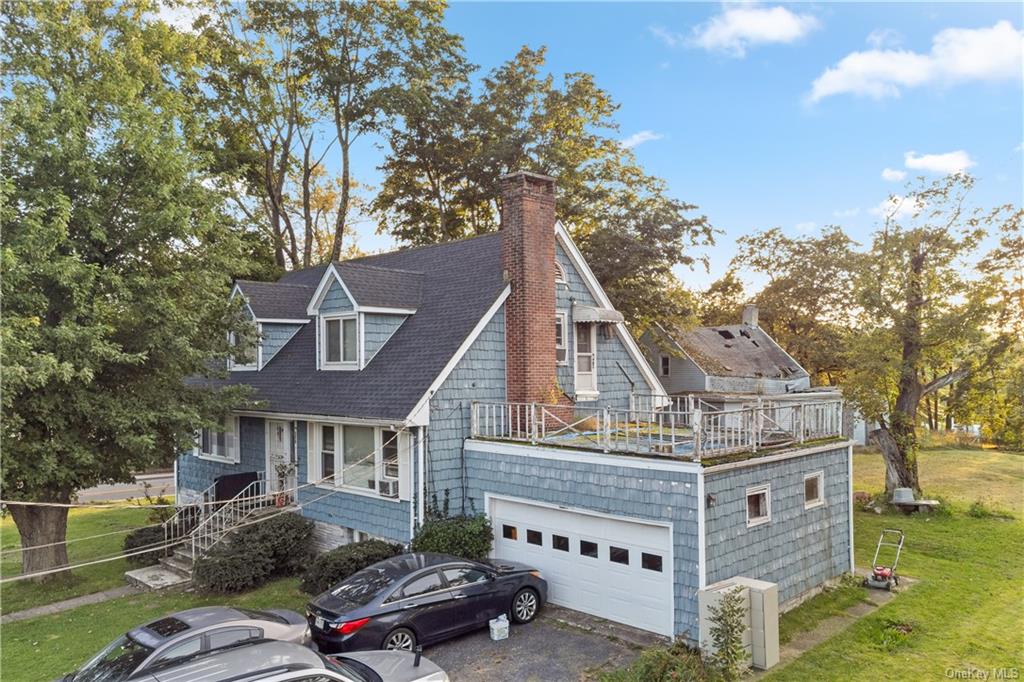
(149, 536)
(332, 567)
(468, 537)
(251, 555)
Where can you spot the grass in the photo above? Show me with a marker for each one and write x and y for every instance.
(831, 602)
(82, 522)
(47, 647)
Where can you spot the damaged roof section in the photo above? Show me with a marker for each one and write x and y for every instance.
(737, 351)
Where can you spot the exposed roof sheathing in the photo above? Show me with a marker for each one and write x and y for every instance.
(738, 351)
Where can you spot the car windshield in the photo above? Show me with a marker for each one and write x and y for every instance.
(364, 585)
(116, 662)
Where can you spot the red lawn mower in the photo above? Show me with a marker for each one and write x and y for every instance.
(884, 577)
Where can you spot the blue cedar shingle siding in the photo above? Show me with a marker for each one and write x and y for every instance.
(196, 475)
(335, 300)
(274, 337)
(480, 375)
(380, 517)
(377, 329)
(613, 386)
(799, 548)
(660, 496)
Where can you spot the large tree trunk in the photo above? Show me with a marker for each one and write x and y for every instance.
(42, 526)
(898, 446)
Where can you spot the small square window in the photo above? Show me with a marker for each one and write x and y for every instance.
(652, 562)
(534, 537)
(813, 490)
(560, 542)
(509, 532)
(588, 548)
(618, 555)
(759, 506)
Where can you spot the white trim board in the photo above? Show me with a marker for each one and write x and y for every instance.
(580, 457)
(420, 414)
(394, 424)
(597, 291)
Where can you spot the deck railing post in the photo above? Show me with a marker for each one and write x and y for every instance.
(533, 423)
(606, 428)
(800, 420)
(474, 420)
(697, 425)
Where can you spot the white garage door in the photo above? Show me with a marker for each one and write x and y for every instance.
(611, 567)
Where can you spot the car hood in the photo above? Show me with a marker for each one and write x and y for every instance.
(398, 666)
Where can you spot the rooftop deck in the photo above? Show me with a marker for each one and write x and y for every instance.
(662, 429)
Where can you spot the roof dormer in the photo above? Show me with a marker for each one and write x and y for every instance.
(358, 308)
(276, 311)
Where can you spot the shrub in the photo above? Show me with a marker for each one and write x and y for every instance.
(231, 568)
(150, 536)
(468, 537)
(334, 566)
(663, 664)
(251, 555)
(728, 623)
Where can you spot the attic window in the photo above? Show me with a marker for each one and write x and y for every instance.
(725, 333)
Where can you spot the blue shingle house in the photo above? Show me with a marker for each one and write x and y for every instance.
(495, 373)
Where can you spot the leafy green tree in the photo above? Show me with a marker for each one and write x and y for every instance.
(722, 302)
(921, 296)
(451, 147)
(117, 258)
(807, 302)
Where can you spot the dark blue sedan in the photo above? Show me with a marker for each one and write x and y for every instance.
(421, 599)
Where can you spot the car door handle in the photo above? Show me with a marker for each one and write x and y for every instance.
(409, 606)
(458, 595)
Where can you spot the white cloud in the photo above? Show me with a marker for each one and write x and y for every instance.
(639, 138)
(846, 212)
(180, 16)
(947, 164)
(739, 27)
(670, 38)
(893, 175)
(1019, 148)
(957, 55)
(898, 207)
(884, 37)
(806, 227)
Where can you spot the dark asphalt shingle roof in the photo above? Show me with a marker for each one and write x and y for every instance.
(738, 351)
(458, 282)
(372, 285)
(276, 300)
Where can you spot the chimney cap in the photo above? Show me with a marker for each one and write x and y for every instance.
(523, 179)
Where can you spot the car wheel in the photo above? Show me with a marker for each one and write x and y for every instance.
(400, 639)
(525, 605)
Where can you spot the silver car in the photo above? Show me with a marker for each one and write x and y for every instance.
(185, 635)
(269, 661)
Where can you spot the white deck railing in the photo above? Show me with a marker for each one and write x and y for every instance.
(663, 430)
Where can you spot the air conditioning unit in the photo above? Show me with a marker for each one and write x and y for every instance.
(761, 603)
(391, 469)
(387, 488)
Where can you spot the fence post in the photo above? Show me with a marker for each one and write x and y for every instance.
(696, 433)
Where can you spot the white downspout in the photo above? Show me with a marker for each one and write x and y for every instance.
(421, 466)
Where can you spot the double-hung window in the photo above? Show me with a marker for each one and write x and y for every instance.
(360, 458)
(218, 444)
(561, 331)
(340, 342)
(327, 454)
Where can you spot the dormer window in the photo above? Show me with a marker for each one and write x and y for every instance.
(340, 345)
(246, 354)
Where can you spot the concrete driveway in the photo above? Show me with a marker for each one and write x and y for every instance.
(561, 645)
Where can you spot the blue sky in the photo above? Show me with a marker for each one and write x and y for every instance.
(727, 96)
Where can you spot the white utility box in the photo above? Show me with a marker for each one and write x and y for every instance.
(761, 599)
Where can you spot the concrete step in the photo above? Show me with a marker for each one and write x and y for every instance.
(157, 577)
(184, 554)
(176, 563)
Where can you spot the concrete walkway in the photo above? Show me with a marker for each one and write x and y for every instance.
(68, 604)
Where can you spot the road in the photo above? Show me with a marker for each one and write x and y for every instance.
(160, 484)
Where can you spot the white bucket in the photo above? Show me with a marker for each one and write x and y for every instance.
(499, 628)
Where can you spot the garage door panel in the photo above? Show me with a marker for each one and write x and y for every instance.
(622, 590)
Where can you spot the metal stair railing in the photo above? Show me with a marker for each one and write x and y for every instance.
(187, 516)
(219, 523)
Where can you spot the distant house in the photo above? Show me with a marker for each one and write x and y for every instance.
(495, 373)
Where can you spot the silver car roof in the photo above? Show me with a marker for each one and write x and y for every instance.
(262, 656)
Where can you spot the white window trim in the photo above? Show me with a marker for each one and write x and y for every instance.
(756, 490)
(314, 469)
(820, 475)
(562, 318)
(661, 365)
(232, 436)
(343, 364)
(585, 395)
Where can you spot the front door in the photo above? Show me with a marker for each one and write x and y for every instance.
(280, 467)
(586, 376)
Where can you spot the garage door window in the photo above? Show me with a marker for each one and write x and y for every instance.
(534, 537)
(588, 548)
(509, 532)
(618, 555)
(652, 562)
(560, 542)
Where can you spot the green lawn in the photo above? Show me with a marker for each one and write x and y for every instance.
(82, 522)
(47, 647)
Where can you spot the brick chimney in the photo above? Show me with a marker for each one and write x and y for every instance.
(528, 264)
